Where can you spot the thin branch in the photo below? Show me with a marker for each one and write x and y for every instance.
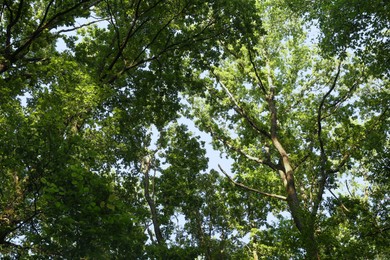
(323, 178)
(342, 99)
(346, 184)
(240, 151)
(19, 223)
(130, 33)
(46, 12)
(13, 22)
(79, 27)
(174, 46)
(257, 73)
(319, 113)
(10, 244)
(155, 38)
(251, 189)
(301, 161)
(241, 111)
(378, 231)
(341, 164)
(50, 23)
(339, 201)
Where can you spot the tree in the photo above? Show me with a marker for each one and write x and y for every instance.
(71, 117)
(278, 108)
(95, 161)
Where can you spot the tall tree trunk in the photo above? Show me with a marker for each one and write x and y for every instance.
(146, 163)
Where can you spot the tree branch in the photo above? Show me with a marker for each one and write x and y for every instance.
(129, 34)
(341, 164)
(46, 12)
(257, 73)
(241, 111)
(341, 203)
(319, 113)
(323, 172)
(23, 49)
(240, 151)
(13, 21)
(252, 189)
(79, 27)
(301, 162)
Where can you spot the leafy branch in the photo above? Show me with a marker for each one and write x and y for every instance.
(238, 184)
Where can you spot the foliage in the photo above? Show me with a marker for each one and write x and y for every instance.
(97, 162)
(359, 25)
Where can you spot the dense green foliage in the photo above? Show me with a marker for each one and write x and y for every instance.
(96, 160)
(362, 26)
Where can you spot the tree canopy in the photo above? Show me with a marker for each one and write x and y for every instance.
(98, 160)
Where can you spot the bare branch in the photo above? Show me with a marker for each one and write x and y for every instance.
(252, 189)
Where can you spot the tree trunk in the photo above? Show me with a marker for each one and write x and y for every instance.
(302, 221)
(156, 225)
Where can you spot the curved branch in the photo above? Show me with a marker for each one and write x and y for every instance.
(324, 158)
(238, 184)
